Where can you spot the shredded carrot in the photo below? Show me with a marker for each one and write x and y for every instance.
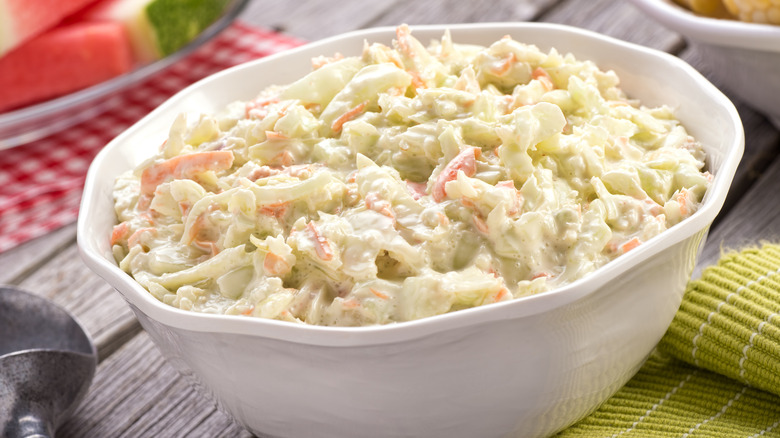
(510, 103)
(149, 216)
(653, 207)
(136, 236)
(207, 245)
(183, 167)
(321, 61)
(631, 244)
(275, 265)
(351, 303)
(417, 80)
(501, 294)
(273, 135)
(347, 116)
(468, 203)
(506, 64)
(508, 184)
(379, 294)
(283, 158)
(518, 201)
(542, 76)
(466, 161)
(200, 225)
(119, 232)
(416, 189)
(313, 107)
(379, 205)
(540, 275)
(184, 207)
(480, 224)
(321, 244)
(276, 210)
(248, 311)
(443, 219)
(682, 199)
(395, 91)
(302, 171)
(257, 108)
(402, 34)
(144, 201)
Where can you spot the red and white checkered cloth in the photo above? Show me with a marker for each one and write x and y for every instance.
(42, 181)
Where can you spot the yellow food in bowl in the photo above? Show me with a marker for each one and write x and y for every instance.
(755, 11)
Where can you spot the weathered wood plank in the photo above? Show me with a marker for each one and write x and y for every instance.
(618, 19)
(314, 19)
(754, 218)
(136, 393)
(18, 262)
(448, 11)
(762, 140)
(67, 281)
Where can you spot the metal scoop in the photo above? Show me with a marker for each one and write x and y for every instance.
(47, 362)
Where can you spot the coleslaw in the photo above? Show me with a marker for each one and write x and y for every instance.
(403, 183)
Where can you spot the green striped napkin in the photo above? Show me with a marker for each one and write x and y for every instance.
(716, 372)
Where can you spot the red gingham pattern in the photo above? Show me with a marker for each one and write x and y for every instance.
(42, 181)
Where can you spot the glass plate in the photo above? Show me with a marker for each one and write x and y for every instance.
(36, 121)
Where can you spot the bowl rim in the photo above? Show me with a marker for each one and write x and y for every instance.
(715, 31)
(141, 300)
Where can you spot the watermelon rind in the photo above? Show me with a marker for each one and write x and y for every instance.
(177, 22)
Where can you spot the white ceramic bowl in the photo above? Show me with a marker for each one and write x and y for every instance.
(744, 57)
(527, 367)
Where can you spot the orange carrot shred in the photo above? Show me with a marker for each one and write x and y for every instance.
(542, 76)
(347, 116)
(631, 244)
(183, 167)
(321, 244)
(379, 294)
(466, 161)
(119, 232)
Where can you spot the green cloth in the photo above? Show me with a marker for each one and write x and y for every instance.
(716, 372)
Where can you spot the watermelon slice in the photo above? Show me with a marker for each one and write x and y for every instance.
(63, 60)
(157, 28)
(20, 20)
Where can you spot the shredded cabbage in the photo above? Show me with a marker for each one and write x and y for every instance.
(404, 183)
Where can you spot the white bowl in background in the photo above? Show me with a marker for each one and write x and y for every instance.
(527, 367)
(744, 57)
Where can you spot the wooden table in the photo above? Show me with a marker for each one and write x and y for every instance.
(136, 393)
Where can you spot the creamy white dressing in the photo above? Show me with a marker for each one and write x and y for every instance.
(405, 183)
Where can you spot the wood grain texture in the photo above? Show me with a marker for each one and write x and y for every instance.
(67, 281)
(314, 19)
(451, 11)
(21, 261)
(749, 214)
(137, 393)
(617, 19)
(754, 218)
(762, 140)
